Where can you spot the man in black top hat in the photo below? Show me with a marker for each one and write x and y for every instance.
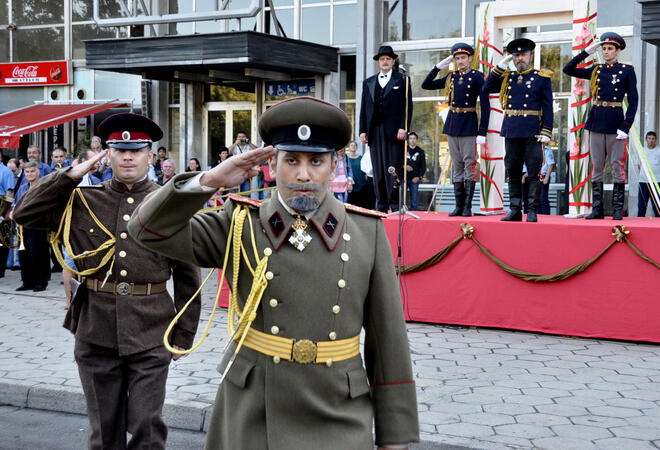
(463, 87)
(386, 98)
(123, 307)
(607, 125)
(526, 98)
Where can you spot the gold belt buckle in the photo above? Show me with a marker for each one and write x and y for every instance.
(123, 288)
(304, 351)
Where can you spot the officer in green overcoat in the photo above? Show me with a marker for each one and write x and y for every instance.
(309, 277)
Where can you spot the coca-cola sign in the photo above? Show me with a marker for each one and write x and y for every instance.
(41, 73)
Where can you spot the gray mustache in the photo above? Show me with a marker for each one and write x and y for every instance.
(302, 186)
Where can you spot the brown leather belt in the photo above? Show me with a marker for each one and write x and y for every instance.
(125, 288)
(608, 104)
(523, 112)
(462, 110)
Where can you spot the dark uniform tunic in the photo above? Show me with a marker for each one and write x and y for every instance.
(342, 283)
(466, 89)
(118, 336)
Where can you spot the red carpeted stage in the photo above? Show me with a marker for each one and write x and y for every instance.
(616, 297)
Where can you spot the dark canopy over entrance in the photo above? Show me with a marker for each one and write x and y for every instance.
(235, 56)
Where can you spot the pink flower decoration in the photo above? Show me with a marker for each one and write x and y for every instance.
(578, 88)
(485, 151)
(576, 149)
(584, 35)
(486, 35)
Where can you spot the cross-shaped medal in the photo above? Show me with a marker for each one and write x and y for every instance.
(300, 238)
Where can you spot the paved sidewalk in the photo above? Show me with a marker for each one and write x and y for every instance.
(481, 388)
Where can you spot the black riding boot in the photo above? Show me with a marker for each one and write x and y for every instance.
(597, 201)
(533, 197)
(515, 202)
(459, 193)
(618, 198)
(469, 193)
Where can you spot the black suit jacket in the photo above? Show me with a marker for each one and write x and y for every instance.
(394, 105)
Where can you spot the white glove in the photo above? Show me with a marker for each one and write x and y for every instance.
(593, 47)
(444, 63)
(543, 138)
(504, 62)
(481, 140)
(621, 135)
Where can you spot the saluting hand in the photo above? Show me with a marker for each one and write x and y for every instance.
(78, 171)
(444, 63)
(591, 49)
(235, 170)
(504, 62)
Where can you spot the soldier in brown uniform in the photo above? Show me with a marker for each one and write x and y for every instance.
(119, 348)
(299, 380)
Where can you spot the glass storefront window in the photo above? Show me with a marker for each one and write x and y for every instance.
(222, 93)
(615, 13)
(38, 12)
(208, 26)
(316, 24)
(13, 98)
(428, 125)
(217, 121)
(174, 130)
(180, 6)
(421, 19)
(40, 44)
(4, 45)
(470, 16)
(347, 76)
(86, 32)
(554, 57)
(284, 17)
(173, 93)
(419, 64)
(349, 109)
(4, 13)
(345, 27)
(110, 85)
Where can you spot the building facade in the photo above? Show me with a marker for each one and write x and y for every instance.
(200, 113)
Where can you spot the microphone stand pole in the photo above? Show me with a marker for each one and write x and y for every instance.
(403, 209)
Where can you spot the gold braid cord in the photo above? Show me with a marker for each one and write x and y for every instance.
(249, 312)
(64, 230)
(449, 88)
(619, 232)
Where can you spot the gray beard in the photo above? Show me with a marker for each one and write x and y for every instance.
(303, 203)
(523, 67)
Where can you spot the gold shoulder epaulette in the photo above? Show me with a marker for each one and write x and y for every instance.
(546, 73)
(244, 200)
(363, 211)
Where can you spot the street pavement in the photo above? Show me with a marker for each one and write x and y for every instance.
(476, 387)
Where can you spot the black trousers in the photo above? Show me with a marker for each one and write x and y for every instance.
(521, 151)
(123, 394)
(35, 259)
(385, 154)
(4, 253)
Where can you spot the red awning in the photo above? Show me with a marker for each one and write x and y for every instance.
(14, 124)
